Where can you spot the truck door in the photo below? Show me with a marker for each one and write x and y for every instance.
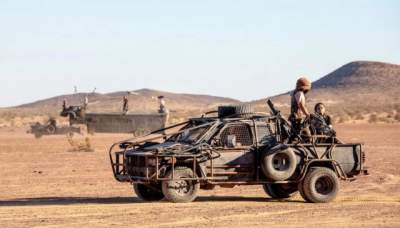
(236, 163)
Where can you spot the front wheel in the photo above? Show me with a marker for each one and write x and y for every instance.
(181, 191)
(148, 192)
(280, 191)
(321, 185)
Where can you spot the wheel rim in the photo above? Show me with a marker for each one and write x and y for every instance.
(281, 162)
(182, 187)
(324, 185)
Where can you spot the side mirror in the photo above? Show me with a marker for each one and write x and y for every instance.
(231, 141)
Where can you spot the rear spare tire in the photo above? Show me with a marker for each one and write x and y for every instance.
(234, 111)
(148, 192)
(279, 165)
(321, 185)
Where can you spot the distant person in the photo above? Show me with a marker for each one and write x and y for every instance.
(64, 104)
(85, 102)
(52, 122)
(298, 108)
(163, 108)
(125, 104)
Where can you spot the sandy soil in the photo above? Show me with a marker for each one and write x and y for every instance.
(42, 184)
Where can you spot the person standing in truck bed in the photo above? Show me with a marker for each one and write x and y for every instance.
(298, 108)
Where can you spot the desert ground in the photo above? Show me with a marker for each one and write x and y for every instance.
(45, 185)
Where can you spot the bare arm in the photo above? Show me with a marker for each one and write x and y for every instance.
(303, 108)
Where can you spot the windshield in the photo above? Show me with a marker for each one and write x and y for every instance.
(190, 133)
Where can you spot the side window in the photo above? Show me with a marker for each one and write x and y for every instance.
(264, 133)
(241, 134)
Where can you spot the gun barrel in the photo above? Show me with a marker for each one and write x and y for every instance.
(272, 107)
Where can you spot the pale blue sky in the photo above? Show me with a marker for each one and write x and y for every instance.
(240, 49)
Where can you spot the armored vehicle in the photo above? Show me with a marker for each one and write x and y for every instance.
(235, 147)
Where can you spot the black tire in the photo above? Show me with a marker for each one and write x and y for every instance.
(279, 165)
(280, 191)
(182, 191)
(149, 193)
(321, 185)
(301, 191)
(51, 129)
(235, 111)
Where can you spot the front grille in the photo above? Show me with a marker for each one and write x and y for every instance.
(137, 167)
(137, 161)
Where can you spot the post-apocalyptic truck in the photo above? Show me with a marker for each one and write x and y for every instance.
(235, 147)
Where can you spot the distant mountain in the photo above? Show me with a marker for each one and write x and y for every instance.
(140, 101)
(355, 91)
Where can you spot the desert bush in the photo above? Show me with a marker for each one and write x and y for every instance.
(384, 119)
(359, 116)
(373, 118)
(343, 119)
(397, 116)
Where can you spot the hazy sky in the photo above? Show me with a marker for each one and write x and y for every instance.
(241, 49)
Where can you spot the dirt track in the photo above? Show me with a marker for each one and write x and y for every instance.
(42, 184)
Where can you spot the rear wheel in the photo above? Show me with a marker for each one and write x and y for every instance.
(301, 190)
(280, 191)
(148, 192)
(51, 129)
(321, 185)
(181, 191)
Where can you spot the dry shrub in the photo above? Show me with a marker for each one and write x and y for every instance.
(343, 119)
(397, 116)
(358, 116)
(373, 118)
(384, 119)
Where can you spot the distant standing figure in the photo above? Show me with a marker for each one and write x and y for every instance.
(64, 104)
(163, 108)
(125, 105)
(85, 102)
